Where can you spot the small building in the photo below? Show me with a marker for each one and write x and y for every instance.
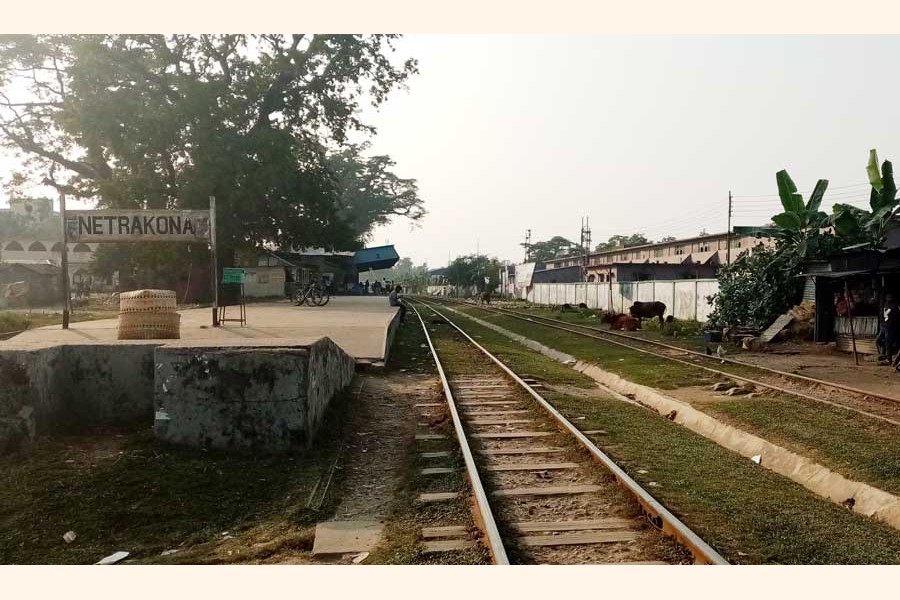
(269, 272)
(866, 275)
(42, 281)
(689, 258)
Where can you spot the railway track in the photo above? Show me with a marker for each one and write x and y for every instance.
(543, 492)
(871, 404)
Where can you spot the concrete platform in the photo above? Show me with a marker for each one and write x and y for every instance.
(361, 326)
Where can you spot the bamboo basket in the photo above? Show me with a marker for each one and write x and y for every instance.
(147, 301)
(149, 326)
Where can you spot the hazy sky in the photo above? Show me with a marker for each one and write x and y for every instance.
(640, 134)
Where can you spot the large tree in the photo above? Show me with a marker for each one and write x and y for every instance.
(261, 122)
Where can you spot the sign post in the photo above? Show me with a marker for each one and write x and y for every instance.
(64, 262)
(115, 225)
(214, 260)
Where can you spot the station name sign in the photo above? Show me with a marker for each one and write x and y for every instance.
(137, 225)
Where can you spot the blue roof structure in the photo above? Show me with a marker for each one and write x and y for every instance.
(379, 257)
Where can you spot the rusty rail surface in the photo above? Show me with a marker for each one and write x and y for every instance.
(606, 335)
(485, 513)
(669, 523)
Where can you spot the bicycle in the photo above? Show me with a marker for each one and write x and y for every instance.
(313, 295)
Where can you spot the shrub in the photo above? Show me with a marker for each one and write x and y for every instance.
(755, 289)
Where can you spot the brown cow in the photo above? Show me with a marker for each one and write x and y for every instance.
(622, 322)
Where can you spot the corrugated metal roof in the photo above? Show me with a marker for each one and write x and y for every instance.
(379, 257)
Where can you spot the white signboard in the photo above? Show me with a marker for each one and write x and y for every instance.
(524, 273)
(114, 225)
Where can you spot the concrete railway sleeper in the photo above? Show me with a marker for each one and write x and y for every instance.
(535, 492)
(888, 407)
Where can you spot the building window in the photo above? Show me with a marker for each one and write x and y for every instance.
(657, 252)
(592, 278)
(81, 248)
(262, 278)
(57, 247)
(679, 250)
(37, 247)
(14, 247)
(703, 247)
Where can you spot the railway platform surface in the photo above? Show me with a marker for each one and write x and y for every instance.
(360, 325)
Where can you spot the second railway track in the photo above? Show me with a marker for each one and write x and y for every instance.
(869, 403)
(543, 491)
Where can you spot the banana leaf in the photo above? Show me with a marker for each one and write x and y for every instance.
(815, 200)
(787, 191)
(872, 170)
(788, 220)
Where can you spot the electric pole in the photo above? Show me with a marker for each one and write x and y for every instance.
(585, 245)
(728, 234)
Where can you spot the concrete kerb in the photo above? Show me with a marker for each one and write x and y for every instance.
(49, 389)
(868, 500)
(390, 335)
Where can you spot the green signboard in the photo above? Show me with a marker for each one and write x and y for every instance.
(231, 275)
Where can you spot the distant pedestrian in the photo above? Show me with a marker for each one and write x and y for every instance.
(366, 288)
(888, 340)
(394, 300)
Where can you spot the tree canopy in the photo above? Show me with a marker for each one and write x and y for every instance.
(550, 249)
(623, 241)
(471, 270)
(261, 122)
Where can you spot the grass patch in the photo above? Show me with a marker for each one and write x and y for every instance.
(854, 445)
(407, 352)
(10, 322)
(126, 491)
(749, 514)
(630, 364)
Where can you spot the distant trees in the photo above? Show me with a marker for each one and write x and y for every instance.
(413, 278)
(472, 270)
(550, 249)
(623, 241)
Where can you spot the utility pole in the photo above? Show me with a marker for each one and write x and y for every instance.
(728, 234)
(585, 245)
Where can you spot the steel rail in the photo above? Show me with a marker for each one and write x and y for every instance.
(485, 514)
(538, 321)
(822, 382)
(671, 524)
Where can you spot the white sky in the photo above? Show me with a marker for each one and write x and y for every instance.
(638, 133)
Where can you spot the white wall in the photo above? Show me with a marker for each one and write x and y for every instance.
(684, 298)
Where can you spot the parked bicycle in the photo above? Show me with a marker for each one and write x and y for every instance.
(313, 294)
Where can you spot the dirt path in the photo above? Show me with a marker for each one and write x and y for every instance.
(383, 426)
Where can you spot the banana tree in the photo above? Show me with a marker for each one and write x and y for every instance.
(798, 227)
(872, 226)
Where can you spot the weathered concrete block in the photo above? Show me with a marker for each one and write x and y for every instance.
(259, 398)
(72, 387)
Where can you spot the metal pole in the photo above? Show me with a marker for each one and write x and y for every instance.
(64, 262)
(728, 233)
(214, 260)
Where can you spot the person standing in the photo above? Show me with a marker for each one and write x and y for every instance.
(888, 340)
